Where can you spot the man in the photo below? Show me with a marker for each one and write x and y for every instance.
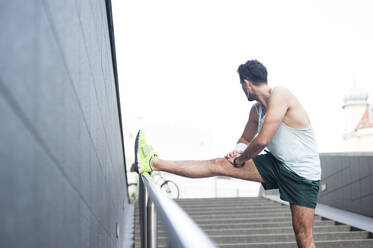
(277, 121)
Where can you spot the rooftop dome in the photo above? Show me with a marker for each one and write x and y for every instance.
(356, 95)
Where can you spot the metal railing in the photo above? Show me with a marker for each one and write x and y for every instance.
(181, 230)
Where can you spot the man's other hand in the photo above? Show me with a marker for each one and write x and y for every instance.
(232, 155)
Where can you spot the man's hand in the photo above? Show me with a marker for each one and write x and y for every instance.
(232, 155)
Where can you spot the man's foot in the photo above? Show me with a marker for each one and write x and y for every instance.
(143, 153)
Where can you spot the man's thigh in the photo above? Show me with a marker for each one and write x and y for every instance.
(302, 218)
(246, 172)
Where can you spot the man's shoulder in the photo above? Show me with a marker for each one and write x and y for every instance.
(281, 92)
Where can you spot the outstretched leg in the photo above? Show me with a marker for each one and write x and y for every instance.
(302, 224)
(207, 168)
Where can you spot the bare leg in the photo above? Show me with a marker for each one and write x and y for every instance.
(207, 168)
(302, 224)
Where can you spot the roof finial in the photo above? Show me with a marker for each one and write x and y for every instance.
(355, 95)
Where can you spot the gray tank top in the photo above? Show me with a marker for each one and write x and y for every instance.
(296, 148)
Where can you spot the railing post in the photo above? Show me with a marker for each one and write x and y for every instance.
(152, 225)
(143, 199)
(182, 231)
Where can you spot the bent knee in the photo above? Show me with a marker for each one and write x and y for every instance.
(218, 165)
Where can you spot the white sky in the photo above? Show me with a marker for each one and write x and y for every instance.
(177, 63)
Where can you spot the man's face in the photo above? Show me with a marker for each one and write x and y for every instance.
(246, 89)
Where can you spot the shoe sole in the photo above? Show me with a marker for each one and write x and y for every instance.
(137, 149)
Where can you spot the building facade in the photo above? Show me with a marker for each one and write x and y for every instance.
(358, 126)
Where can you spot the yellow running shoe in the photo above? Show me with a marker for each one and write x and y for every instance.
(143, 153)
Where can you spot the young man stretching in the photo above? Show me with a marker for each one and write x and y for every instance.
(277, 121)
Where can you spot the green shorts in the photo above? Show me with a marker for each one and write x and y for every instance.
(293, 188)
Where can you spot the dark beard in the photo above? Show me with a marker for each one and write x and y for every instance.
(250, 98)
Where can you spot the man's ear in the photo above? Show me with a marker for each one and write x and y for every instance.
(248, 83)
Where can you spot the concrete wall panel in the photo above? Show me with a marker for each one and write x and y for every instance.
(62, 164)
(349, 181)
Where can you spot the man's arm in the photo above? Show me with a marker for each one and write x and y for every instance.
(251, 129)
(277, 108)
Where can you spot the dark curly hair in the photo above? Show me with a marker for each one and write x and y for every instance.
(253, 71)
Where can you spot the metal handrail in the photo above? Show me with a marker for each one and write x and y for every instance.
(181, 229)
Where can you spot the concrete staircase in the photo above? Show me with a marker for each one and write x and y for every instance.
(258, 222)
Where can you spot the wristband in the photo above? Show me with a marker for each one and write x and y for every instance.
(237, 165)
(240, 147)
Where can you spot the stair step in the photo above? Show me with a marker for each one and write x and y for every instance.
(363, 243)
(229, 204)
(244, 219)
(259, 224)
(262, 238)
(286, 224)
(247, 220)
(235, 212)
(266, 230)
(273, 237)
(224, 199)
(239, 211)
(234, 215)
(226, 211)
(233, 208)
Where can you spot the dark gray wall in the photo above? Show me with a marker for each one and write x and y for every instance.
(62, 173)
(349, 181)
